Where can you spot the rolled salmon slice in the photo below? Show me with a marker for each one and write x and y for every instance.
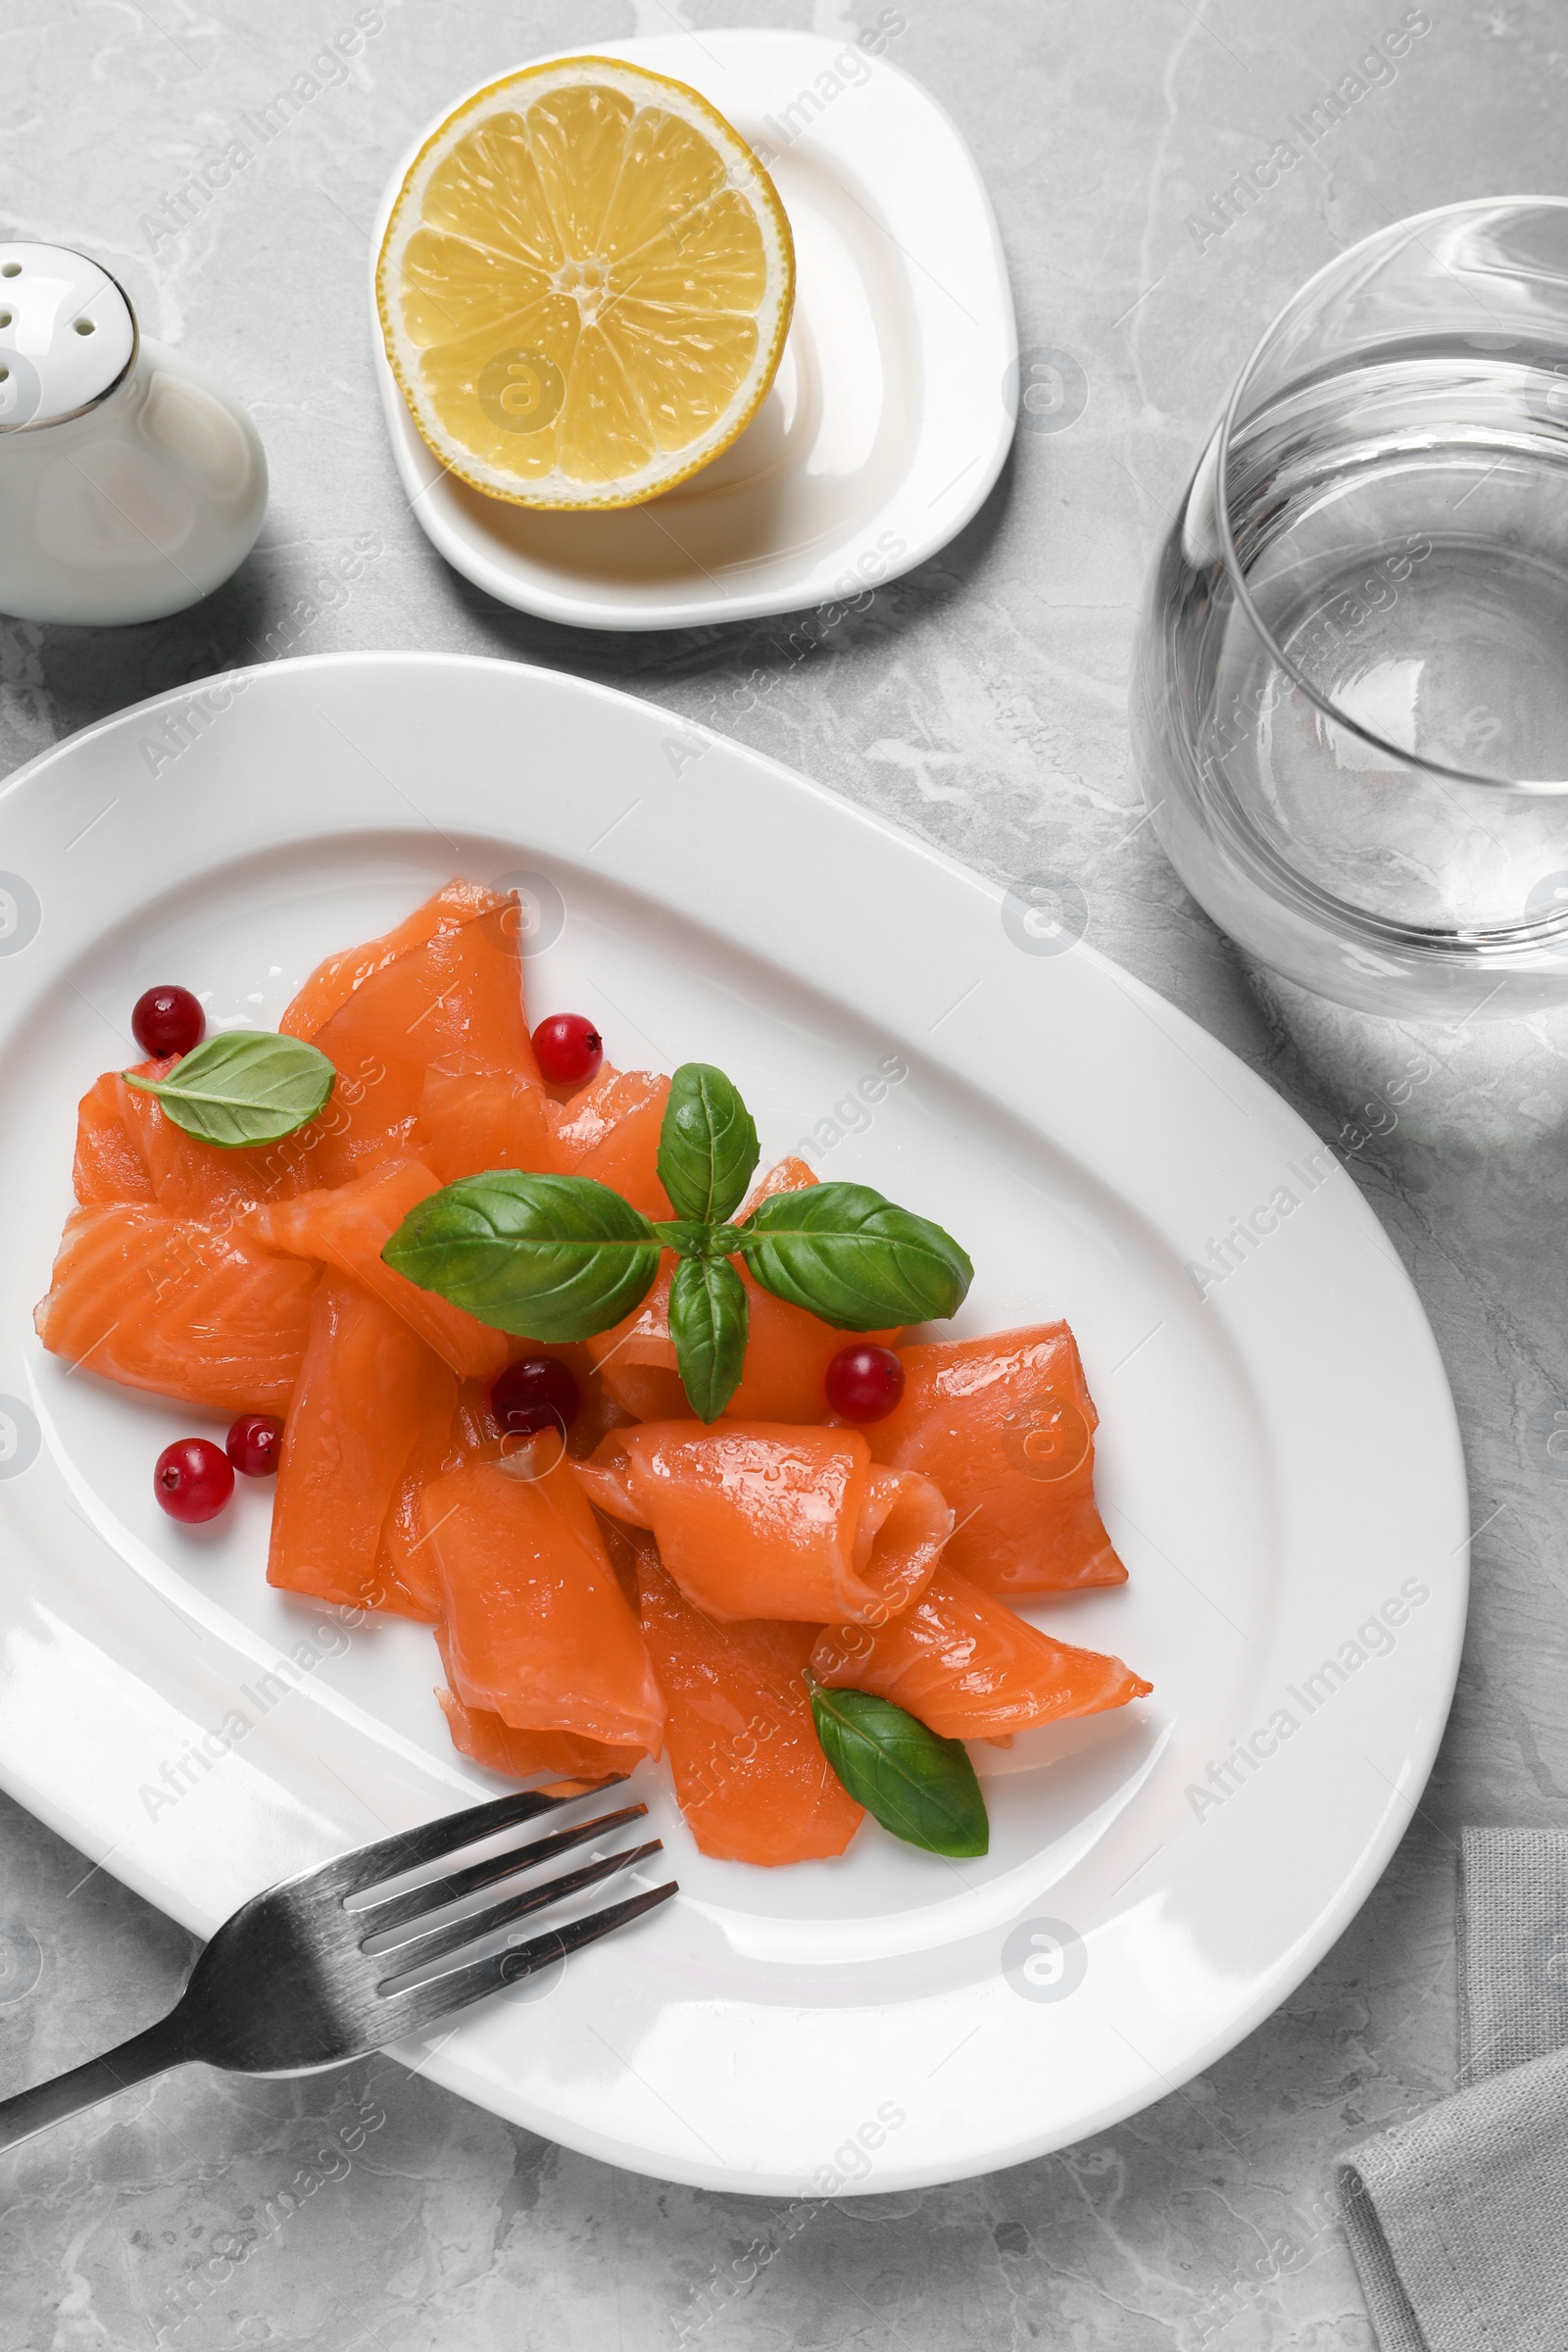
(750, 1773)
(367, 1388)
(1006, 1426)
(970, 1667)
(165, 1303)
(538, 1630)
(350, 1225)
(452, 996)
(764, 1519)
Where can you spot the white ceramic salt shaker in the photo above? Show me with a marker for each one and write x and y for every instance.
(131, 484)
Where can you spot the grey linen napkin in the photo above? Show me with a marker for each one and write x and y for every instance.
(1458, 2220)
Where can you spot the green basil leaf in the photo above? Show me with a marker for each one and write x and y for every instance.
(708, 1145)
(857, 1261)
(551, 1257)
(707, 1318)
(684, 1235)
(915, 1783)
(244, 1085)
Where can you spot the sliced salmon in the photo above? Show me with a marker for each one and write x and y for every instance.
(129, 1149)
(446, 988)
(366, 1388)
(469, 1122)
(459, 1425)
(478, 1733)
(165, 1303)
(110, 1165)
(787, 1175)
(970, 1667)
(483, 1736)
(538, 1628)
(405, 1549)
(750, 1773)
(433, 925)
(760, 1519)
(1006, 1426)
(610, 1131)
(349, 1225)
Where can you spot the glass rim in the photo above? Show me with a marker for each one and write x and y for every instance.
(1392, 230)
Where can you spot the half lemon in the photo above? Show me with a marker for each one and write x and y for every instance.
(585, 285)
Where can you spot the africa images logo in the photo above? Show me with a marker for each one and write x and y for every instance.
(1044, 1959)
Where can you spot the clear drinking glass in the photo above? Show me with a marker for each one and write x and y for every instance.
(1350, 698)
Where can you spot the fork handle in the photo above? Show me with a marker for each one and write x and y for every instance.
(148, 2053)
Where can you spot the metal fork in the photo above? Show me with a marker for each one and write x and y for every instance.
(287, 1986)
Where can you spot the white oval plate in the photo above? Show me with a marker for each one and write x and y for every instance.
(1278, 1460)
(894, 405)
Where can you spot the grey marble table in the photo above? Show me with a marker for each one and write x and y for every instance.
(981, 704)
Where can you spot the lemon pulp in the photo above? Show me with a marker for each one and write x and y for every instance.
(585, 285)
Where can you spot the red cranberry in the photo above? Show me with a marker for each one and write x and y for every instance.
(569, 1049)
(168, 1020)
(254, 1442)
(864, 1383)
(537, 1393)
(193, 1480)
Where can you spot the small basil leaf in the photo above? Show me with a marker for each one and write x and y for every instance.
(854, 1259)
(707, 1318)
(551, 1258)
(708, 1145)
(920, 1786)
(242, 1087)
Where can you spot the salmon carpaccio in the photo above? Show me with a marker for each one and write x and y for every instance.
(537, 1628)
(750, 1772)
(491, 1741)
(443, 991)
(647, 1585)
(167, 1304)
(349, 1225)
(970, 1667)
(367, 1387)
(127, 1150)
(1006, 1426)
(765, 1519)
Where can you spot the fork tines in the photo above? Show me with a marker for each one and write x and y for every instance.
(419, 2005)
(388, 1911)
(366, 1938)
(404, 1958)
(427, 1841)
